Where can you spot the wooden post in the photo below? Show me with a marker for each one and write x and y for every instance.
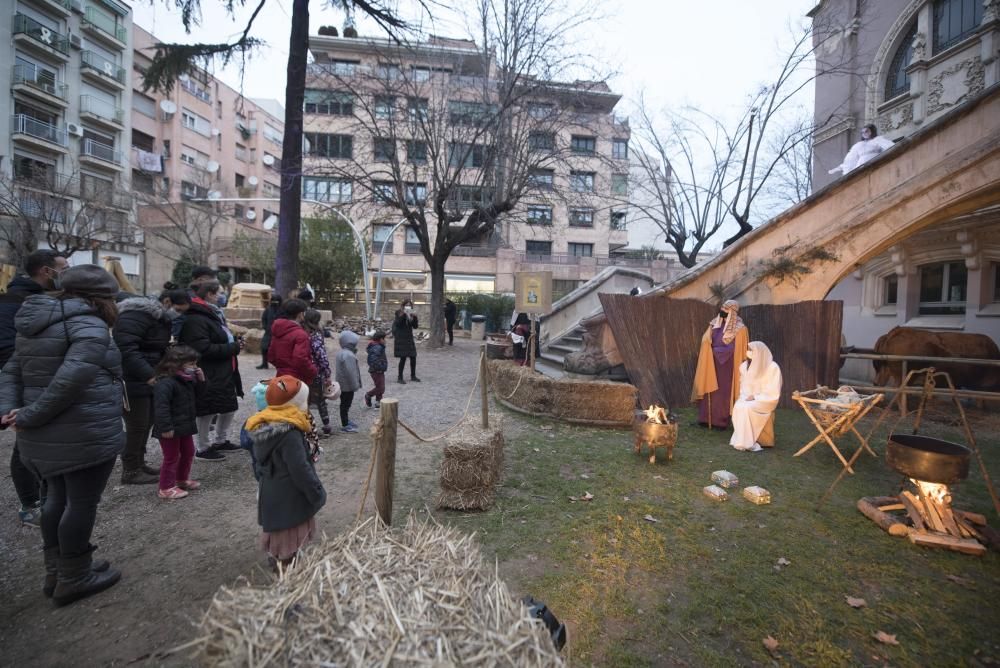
(531, 345)
(483, 396)
(902, 397)
(385, 464)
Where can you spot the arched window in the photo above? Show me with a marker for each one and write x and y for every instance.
(954, 20)
(897, 81)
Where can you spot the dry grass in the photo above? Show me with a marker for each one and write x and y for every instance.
(472, 467)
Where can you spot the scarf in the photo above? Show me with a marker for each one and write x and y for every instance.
(285, 413)
(732, 323)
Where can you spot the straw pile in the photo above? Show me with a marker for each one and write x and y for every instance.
(417, 596)
(472, 467)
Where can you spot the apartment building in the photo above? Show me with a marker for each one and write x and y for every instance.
(570, 222)
(203, 140)
(62, 162)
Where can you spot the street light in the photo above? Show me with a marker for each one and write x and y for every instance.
(328, 207)
(381, 261)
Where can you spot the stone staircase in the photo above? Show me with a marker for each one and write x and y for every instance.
(550, 361)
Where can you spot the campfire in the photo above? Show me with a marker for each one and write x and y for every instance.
(657, 428)
(925, 513)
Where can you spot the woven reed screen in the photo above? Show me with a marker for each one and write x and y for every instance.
(658, 339)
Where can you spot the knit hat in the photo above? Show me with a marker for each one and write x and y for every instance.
(288, 390)
(89, 280)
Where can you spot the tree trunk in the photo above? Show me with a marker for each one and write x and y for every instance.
(437, 303)
(745, 229)
(290, 212)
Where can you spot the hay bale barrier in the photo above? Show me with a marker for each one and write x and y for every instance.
(600, 403)
(472, 467)
(414, 596)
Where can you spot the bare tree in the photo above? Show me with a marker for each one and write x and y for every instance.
(792, 179)
(67, 213)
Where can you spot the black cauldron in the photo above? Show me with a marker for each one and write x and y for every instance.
(928, 459)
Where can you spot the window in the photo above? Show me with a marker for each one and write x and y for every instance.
(328, 103)
(467, 155)
(542, 179)
(580, 144)
(581, 182)
(540, 110)
(326, 190)
(619, 149)
(389, 71)
(166, 148)
(385, 192)
(539, 215)
(541, 141)
(328, 146)
(189, 156)
(144, 104)
(193, 121)
(890, 290)
(343, 67)
(381, 239)
(384, 149)
(191, 191)
(942, 288)
(416, 193)
(619, 184)
(581, 217)
(417, 108)
(467, 113)
(35, 171)
(384, 105)
(538, 247)
(412, 246)
(416, 152)
(239, 180)
(143, 183)
(273, 134)
(197, 90)
(241, 152)
(239, 211)
(897, 81)
(420, 73)
(618, 220)
(464, 197)
(954, 20)
(271, 190)
(142, 141)
(581, 250)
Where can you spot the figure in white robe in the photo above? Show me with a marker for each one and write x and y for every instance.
(870, 146)
(760, 389)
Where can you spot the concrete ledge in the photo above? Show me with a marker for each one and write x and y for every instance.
(592, 402)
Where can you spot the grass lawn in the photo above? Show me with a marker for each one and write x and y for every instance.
(702, 585)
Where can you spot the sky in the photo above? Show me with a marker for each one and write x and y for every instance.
(707, 54)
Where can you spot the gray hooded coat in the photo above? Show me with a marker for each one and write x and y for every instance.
(348, 371)
(65, 376)
(289, 491)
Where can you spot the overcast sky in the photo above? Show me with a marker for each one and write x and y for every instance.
(710, 54)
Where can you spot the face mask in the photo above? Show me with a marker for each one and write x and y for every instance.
(723, 314)
(57, 280)
(407, 309)
(186, 373)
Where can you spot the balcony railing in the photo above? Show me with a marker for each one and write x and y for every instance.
(105, 24)
(26, 25)
(474, 251)
(96, 149)
(48, 181)
(24, 124)
(98, 107)
(36, 77)
(549, 258)
(101, 64)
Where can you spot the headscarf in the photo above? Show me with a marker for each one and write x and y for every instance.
(760, 359)
(732, 323)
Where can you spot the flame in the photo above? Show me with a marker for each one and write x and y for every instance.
(656, 414)
(936, 492)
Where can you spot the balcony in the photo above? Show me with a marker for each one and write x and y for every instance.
(100, 155)
(30, 33)
(63, 7)
(474, 250)
(104, 28)
(101, 70)
(101, 112)
(40, 84)
(49, 181)
(107, 197)
(38, 133)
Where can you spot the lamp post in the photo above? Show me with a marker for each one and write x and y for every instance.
(328, 207)
(381, 261)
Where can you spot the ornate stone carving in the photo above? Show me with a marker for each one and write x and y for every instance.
(883, 56)
(919, 47)
(591, 359)
(955, 84)
(833, 129)
(895, 118)
(991, 11)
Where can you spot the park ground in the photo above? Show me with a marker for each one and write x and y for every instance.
(648, 572)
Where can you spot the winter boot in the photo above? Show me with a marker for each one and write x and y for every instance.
(77, 579)
(52, 567)
(400, 380)
(151, 470)
(138, 477)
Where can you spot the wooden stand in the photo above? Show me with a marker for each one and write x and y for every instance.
(483, 397)
(385, 462)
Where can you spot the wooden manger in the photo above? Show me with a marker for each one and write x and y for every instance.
(834, 419)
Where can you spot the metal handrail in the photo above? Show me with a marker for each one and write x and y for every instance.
(95, 105)
(918, 358)
(96, 149)
(44, 34)
(918, 390)
(24, 124)
(100, 64)
(105, 24)
(28, 73)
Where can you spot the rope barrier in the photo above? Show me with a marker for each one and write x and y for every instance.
(493, 382)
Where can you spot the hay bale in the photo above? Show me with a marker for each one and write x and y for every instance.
(420, 595)
(472, 467)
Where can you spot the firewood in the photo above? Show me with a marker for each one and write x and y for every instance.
(887, 522)
(966, 545)
(892, 506)
(964, 528)
(931, 511)
(949, 521)
(975, 518)
(910, 502)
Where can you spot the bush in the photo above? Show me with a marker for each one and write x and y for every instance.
(496, 308)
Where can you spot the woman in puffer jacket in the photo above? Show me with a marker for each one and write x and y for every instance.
(62, 393)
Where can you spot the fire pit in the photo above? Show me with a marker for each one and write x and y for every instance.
(928, 459)
(657, 429)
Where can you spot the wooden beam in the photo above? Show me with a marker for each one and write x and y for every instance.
(385, 464)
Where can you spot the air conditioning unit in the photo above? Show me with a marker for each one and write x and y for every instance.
(74, 129)
(75, 42)
(77, 6)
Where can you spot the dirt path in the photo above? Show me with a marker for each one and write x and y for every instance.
(174, 555)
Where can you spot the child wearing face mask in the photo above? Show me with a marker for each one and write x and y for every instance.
(177, 384)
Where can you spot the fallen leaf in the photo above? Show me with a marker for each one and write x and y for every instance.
(585, 476)
(625, 498)
(546, 427)
(965, 582)
(574, 499)
(886, 638)
(587, 496)
(770, 644)
(650, 518)
(784, 562)
(855, 602)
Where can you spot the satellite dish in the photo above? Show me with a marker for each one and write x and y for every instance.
(270, 223)
(211, 166)
(251, 214)
(168, 107)
(216, 132)
(214, 195)
(184, 78)
(267, 159)
(253, 180)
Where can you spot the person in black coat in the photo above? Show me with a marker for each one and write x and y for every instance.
(450, 313)
(403, 345)
(266, 320)
(43, 268)
(62, 393)
(205, 331)
(178, 386)
(142, 334)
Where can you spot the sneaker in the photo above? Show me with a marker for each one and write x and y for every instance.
(378, 404)
(31, 516)
(401, 381)
(349, 429)
(209, 455)
(172, 493)
(189, 485)
(226, 445)
(368, 401)
(352, 423)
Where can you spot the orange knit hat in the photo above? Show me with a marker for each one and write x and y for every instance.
(282, 390)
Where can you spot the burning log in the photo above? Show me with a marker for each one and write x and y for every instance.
(873, 508)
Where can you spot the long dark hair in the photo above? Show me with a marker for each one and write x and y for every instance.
(107, 308)
(173, 361)
(311, 322)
